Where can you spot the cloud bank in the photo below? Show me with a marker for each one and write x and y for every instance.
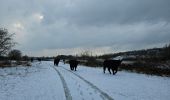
(48, 28)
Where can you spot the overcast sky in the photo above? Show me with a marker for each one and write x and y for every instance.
(52, 27)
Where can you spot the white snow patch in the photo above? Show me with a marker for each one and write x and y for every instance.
(42, 82)
(39, 82)
(126, 85)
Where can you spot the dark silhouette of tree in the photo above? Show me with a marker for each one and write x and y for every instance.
(25, 58)
(166, 51)
(6, 41)
(15, 55)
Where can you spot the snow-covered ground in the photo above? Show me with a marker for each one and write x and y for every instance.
(44, 81)
(39, 82)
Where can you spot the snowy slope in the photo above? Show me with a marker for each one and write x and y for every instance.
(47, 82)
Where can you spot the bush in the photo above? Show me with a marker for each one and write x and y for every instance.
(92, 62)
(147, 68)
(23, 63)
(15, 55)
(5, 63)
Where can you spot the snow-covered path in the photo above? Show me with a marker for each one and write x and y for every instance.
(125, 85)
(44, 81)
(84, 89)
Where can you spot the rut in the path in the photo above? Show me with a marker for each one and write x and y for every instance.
(66, 89)
(104, 95)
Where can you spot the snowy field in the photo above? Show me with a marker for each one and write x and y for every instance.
(44, 81)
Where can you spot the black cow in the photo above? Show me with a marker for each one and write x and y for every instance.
(56, 61)
(32, 59)
(39, 59)
(64, 61)
(73, 64)
(111, 64)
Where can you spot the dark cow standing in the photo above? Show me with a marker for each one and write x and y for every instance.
(111, 64)
(56, 61)
(64, 61)
(73, 64)
(39, 59)
(32, 59)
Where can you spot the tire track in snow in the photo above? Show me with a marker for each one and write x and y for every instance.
(103, 95)
(66, 89)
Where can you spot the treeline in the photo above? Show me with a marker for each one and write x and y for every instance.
(155, 61)
(160, 53)
(7, 53)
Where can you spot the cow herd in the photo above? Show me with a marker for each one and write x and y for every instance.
(111, 65)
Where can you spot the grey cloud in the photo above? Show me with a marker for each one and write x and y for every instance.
(118, 24)
(101, 12)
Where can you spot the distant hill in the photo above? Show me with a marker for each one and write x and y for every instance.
(161, 53)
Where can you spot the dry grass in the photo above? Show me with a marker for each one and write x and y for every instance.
(146, 68)
(4, 64)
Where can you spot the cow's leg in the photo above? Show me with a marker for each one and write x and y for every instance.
(104, 68)
(114, 71)
(75, 68)
(109, 70)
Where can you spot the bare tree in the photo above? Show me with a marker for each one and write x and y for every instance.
(15, 55)
(6, 41)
